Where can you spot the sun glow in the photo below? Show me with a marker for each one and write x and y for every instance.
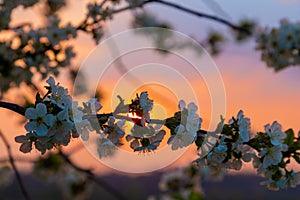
(133, 115)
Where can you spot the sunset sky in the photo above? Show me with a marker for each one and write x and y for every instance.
(264, 95)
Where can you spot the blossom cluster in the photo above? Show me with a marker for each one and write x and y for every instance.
(55, 119)
(280, 46)
(274, 156)
(269, 151)
(187, 123)
(42, 50)
(229, 150)
(144, 137)
(52, 120)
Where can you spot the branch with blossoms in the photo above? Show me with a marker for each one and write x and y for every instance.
(55, 119)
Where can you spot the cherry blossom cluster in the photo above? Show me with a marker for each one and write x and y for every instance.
(280, 46)
(55, 119)
(51, 120)
(29, 49)
(144, 136)
(270, 152)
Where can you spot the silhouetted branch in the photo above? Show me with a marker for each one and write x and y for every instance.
(202, 15)
(178, 7)
(13, 107)
(12, 162)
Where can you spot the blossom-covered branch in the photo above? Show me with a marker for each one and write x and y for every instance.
(56, 118)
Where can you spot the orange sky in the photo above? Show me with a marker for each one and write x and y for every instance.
(265, 96)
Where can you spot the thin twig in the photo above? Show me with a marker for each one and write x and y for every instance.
(17, 173)
(90, 175)
(202, 15)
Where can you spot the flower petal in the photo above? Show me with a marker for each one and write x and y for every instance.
(30, 113)
(31, 126)
(181, 105)
(41, 130)
(49, 119)
(41, 109)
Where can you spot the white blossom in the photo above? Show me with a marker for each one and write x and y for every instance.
(292, 180)
(95, 105)
(61, 126)
(217, 155)
(280, 46)
(147, 105)
(83, 126)
(59, 95)
(275, 133)
(40, 120)
(182, 138)
(244, 126)
(272, 156)
(186, 132)
(115, 130)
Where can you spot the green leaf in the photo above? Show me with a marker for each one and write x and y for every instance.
(172, 123)
(227, 130)
(289, 137)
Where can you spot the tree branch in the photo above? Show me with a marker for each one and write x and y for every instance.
(13, 107)
(12, 162)
(201, 14)
(181, 8)
(90, 175)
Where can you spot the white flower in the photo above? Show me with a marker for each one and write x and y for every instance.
(293, 180)
(182, 138)
(217, 155)
(143, 131)
(40, 120)
(59, 94)
(244, 126)
(275, 133)
(83, 126)
(280, 45)
(105, 148)
(61, 126)
(211, 139)
(95, 105)
(186, 132)
(272, 156)
(114, 130)
(181, 105)
(147, 105)
(193, 123)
